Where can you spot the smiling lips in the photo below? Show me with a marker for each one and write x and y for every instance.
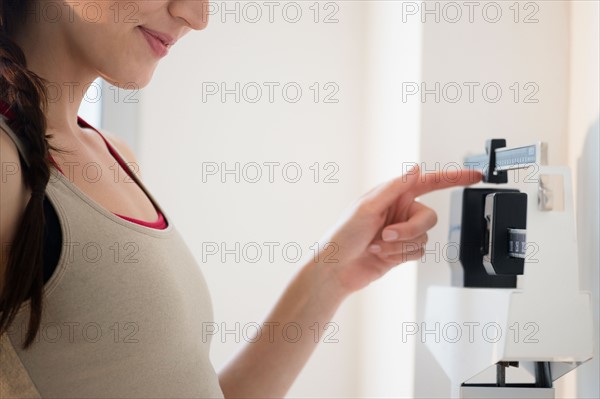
(159, 42)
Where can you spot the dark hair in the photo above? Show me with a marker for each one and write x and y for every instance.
(25, 94)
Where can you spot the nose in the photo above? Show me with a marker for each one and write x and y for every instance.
(193, 12)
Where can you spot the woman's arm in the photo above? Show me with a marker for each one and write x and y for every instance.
(386, 227)
(269, 366)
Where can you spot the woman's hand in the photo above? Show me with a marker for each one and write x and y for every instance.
(318, 289)
(385, 227)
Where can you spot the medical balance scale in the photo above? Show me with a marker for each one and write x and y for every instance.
(514, 302)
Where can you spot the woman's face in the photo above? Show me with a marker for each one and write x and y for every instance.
(112, 36)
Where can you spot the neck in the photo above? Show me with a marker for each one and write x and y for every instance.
(49, 55)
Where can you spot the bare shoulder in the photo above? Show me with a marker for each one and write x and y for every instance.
(124, 149)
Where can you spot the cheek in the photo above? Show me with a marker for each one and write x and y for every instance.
(105, 36)
(93, 26)
(115, 20)
(96, 12)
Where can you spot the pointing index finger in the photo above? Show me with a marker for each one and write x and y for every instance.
(431, 181)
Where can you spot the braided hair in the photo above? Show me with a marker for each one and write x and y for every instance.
(26, 95)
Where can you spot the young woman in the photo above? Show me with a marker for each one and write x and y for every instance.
(74, 323)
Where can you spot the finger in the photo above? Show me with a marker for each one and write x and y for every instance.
(440, 180)
(421, 218)
(383, 197)
(397, 248)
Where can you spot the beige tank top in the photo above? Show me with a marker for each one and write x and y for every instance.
(123, 313)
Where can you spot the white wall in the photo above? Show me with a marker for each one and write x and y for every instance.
(91, 106)
(391, 137)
